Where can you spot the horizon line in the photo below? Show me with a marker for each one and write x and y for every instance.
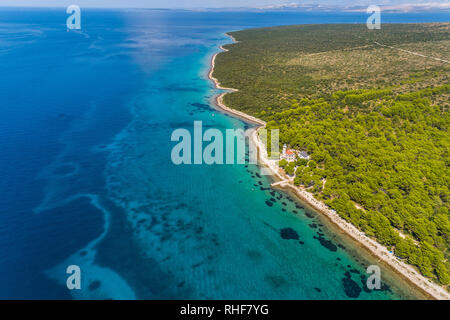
(342, 9)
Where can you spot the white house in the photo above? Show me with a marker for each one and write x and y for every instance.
(288, 154)
(303, 155)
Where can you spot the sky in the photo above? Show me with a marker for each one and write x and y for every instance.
(197, 3)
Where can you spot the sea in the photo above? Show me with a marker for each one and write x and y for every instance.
(87, 180)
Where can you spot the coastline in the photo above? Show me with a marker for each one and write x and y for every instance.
(377, 250)
(219, 98)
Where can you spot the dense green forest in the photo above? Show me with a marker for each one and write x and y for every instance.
(374, 119)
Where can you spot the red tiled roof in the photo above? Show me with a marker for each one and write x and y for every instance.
(290, 152)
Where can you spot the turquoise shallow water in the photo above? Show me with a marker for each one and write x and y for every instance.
(87, 177)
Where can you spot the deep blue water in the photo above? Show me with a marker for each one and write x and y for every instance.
(86, 176)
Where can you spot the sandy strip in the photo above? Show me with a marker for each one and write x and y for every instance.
(219, 99)
(408, 272)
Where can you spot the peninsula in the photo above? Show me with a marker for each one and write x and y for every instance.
(370, 107)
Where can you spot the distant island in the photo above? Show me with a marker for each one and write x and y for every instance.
(366, 113)
(311, 7)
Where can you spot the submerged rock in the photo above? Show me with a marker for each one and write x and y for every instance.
(385, 287)
(289, 234)
(269, 203)
(326, 243)
(351, 288)
(364, 283)
(94, 285)
(309, 215)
